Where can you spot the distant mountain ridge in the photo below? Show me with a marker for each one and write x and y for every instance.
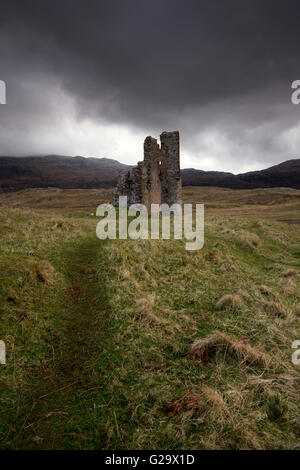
(56, 170)
(285, 174)
(79, 172)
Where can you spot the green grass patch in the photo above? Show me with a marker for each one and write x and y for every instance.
(98, 335)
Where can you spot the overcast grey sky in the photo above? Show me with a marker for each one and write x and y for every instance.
(94, 77)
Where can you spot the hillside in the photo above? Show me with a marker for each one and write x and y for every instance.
(124, 344)
(280, 203)
(59, 171)
(286, 174)
(80, 172)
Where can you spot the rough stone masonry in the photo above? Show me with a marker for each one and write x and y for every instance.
(157, 179)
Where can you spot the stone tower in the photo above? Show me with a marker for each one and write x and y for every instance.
(156, 179)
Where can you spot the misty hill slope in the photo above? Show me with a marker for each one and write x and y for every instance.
(56, 170)
(286, 174)
(79, 172)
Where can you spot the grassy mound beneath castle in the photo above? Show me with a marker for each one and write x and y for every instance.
(141, 344)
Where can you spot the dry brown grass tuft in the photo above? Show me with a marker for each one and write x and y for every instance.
(189, 400)
(229, 301)
(221, 246)
(202, 349)
(249, 238)
(44, 271)
(214, 257)
(266, 291)
(125, 273)
(275, 308)
(290, 288)
(145, 307)
(214, 399)
(297, 310)
(289, 272)
(60, 224)
(203, 399)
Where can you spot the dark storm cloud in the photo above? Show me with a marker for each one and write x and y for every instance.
(220, 71)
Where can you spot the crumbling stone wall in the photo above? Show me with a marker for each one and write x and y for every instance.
(156, 179)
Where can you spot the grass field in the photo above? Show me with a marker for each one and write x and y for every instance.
(126, 344)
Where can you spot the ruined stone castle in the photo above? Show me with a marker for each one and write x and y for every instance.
(156, 179)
